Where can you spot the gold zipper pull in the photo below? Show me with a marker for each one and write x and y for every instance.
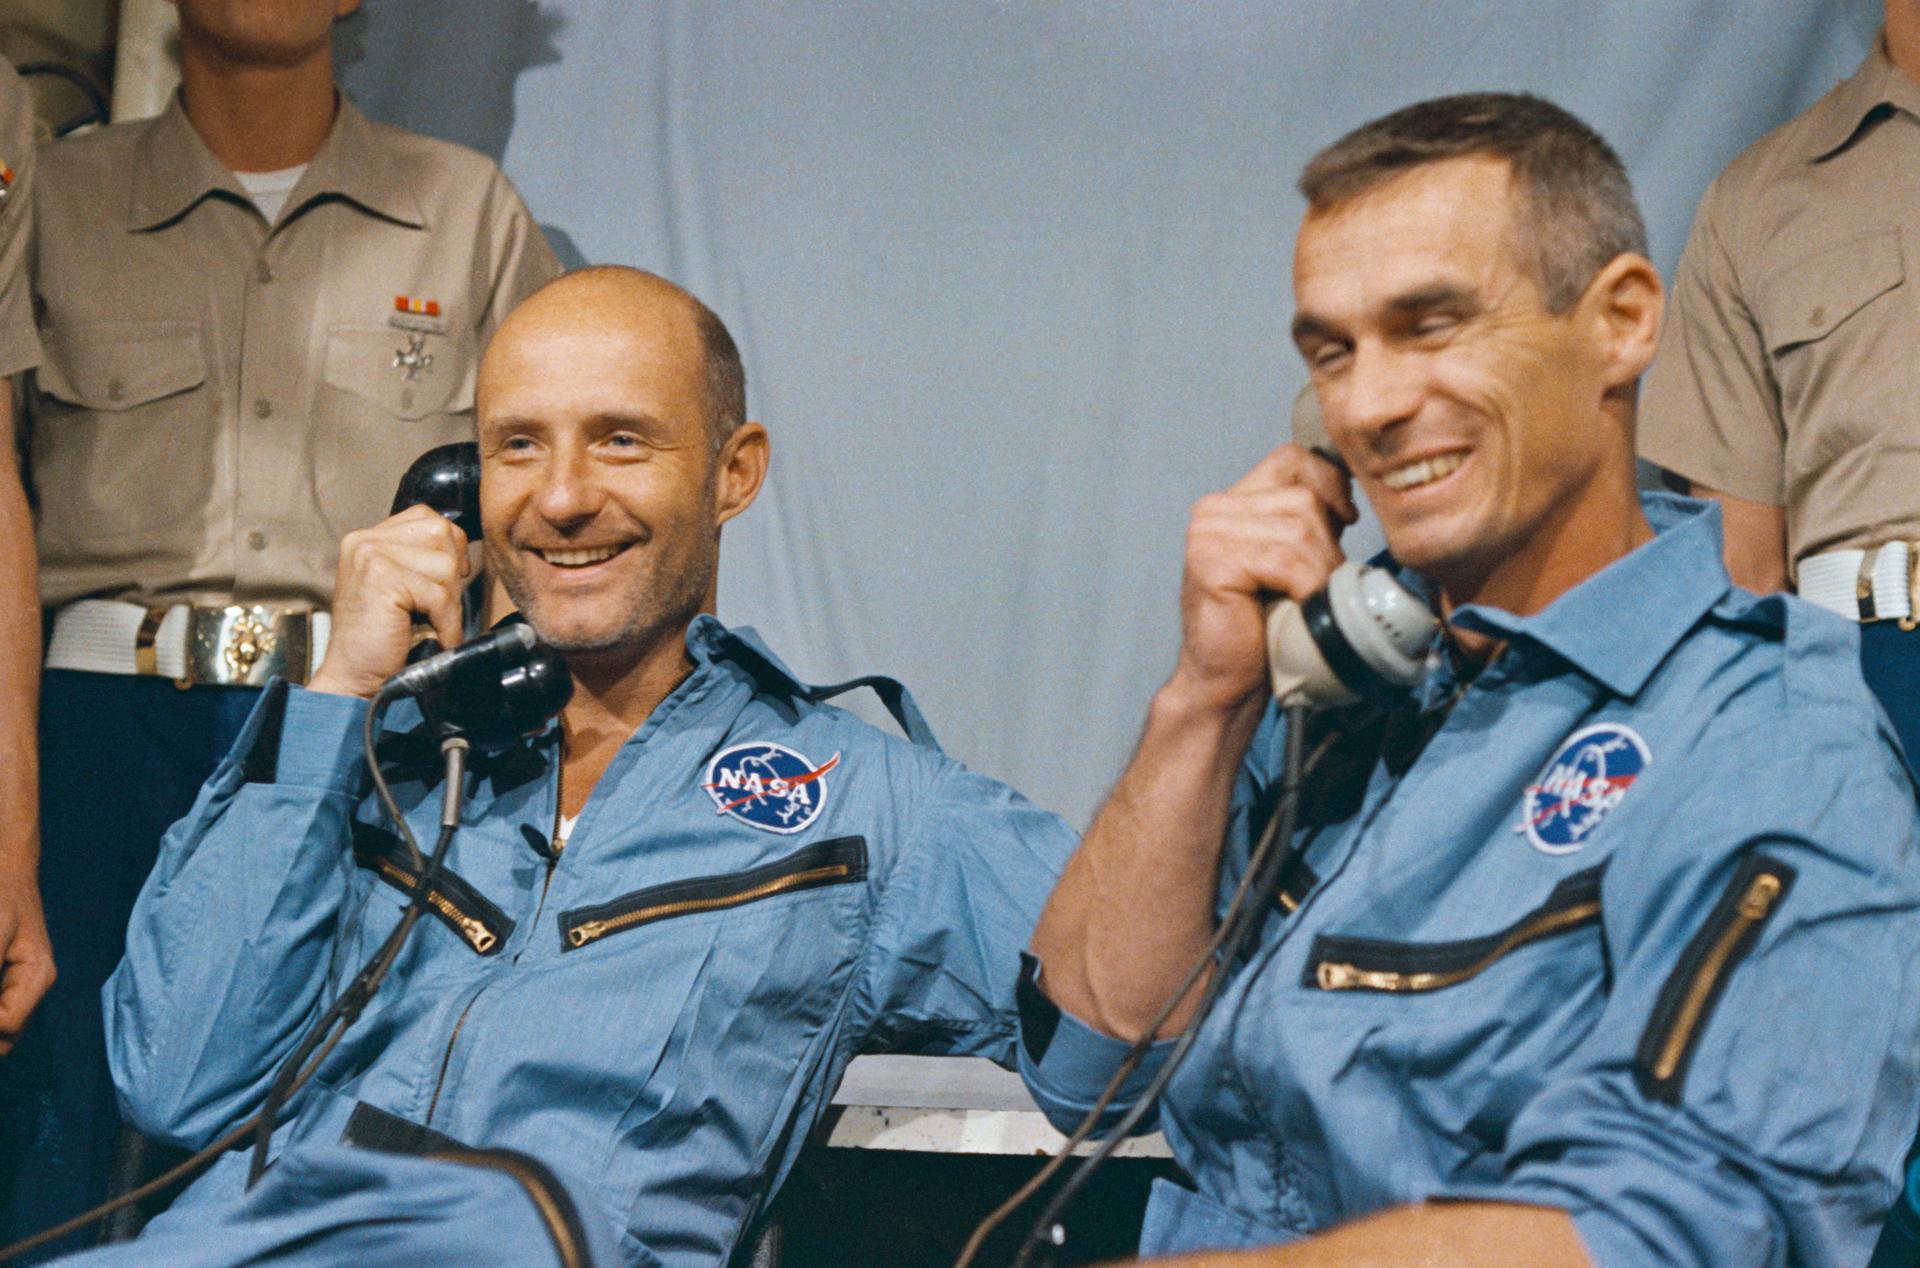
(481, 937)
(1760, 896)
(581, 934)
(1351, 977)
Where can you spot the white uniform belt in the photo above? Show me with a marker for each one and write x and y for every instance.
(1876, 584)
(244, 645)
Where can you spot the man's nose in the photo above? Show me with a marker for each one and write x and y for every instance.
(1382, 388)
(569, 492)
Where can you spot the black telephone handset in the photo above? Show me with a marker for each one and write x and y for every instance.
(448, 480)
(497, 698)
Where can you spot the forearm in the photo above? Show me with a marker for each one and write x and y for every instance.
(1432, 1234)
(19, 668)
(1135, 907)
(1756, 541)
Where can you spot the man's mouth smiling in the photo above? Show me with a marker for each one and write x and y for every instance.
(578, 556)
(1422, 471)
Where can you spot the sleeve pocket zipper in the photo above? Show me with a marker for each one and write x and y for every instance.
(1694, 987)
(837, 862)
(461, 907)
(1372, 964)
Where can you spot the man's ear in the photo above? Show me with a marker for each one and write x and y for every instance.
(1625, 303)
(345, 8)
(741, 468)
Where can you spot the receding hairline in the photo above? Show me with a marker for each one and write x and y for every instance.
(598, 286)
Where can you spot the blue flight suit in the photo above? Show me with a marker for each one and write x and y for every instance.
(1633, 935)
(761, 887)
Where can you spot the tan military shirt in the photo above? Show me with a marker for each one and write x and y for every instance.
(222, 399)
(1789, 373)
(19, 343)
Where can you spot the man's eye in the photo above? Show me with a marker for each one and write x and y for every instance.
(1435, 324)
(1327, 357)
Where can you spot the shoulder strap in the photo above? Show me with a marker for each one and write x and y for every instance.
(894, 695)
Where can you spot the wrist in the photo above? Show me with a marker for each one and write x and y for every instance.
(334, 682)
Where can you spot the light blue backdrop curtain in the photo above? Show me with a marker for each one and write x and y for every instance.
(1011, 276)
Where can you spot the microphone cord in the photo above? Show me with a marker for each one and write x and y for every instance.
(1264, 866)
(323, 1036)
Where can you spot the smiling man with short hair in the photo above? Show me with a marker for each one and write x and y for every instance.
(1581, 954)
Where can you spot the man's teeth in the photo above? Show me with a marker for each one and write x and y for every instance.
(580, 558)
(1425, 471)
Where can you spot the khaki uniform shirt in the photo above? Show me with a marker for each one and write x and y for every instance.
(222, 399)
(1789, 373)
(19, 344)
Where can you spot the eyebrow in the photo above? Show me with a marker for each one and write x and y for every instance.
(1439, 295)
(1308, 326)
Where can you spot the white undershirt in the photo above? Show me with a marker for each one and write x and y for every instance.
(269, 190)
(566, 830)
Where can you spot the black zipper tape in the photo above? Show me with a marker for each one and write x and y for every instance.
(375, 846)
(840, 861)
(1687, 1000)
(1573, 904)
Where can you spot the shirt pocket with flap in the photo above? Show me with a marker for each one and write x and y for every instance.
(409, 375)
(390, 395)
(113, 403)
(1836, 337)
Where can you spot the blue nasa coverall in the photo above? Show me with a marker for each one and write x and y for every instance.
(1633, 936)
(761, 887)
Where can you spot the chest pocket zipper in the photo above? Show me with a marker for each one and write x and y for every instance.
(1687, 1000)
(840, 861)
(458, 905)
(1371, 964)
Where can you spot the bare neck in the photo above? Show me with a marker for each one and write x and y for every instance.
(1604, 524)
(611, 700)
(1902, 37)
(258, 118)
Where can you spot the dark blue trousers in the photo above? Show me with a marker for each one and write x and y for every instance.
(1890, 659)
(121, 758)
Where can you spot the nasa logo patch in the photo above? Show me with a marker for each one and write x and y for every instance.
(768, 786)
(1583, 781)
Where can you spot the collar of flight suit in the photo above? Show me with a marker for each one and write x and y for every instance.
(1839, 116)
(174, 170)
(1618, 625)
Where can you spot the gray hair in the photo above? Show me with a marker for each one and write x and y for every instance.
(1575, 211)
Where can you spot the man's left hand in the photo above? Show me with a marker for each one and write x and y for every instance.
(26, 956)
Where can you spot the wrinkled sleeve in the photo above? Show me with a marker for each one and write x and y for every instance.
(1750, 1090)
(228, 950)
(1711, 411)
(978, 862)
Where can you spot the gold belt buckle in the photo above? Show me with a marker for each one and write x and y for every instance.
(248, 646)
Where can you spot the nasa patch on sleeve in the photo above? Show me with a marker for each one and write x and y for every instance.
(768, 786)
(1582, 783)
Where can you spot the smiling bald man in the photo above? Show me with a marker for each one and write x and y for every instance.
(670, 919)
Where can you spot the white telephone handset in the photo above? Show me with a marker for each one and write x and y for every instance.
(1364, 637)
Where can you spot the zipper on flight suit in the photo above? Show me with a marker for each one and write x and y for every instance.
(1370, 964)
(839, 861)
(1687, 1000)
(459, 906)
(546, 883)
